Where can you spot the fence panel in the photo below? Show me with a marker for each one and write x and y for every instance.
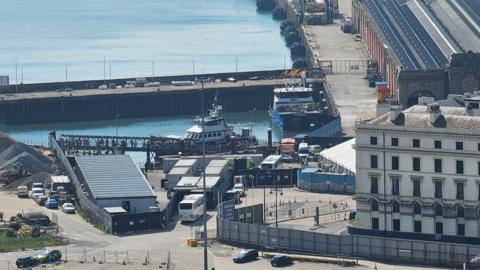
(369, 247)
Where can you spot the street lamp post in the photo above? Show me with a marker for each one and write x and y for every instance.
(205, 251)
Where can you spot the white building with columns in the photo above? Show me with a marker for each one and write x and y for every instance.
(418, 173)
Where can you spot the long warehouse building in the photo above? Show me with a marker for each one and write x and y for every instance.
(413, 41)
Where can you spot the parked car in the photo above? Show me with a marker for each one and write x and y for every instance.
(246, 255)
(254, 78)
(231, 79)
(41, 200)
(68, 208)
(51, 204)
(239, 188)
(37, 192)
(49, 256)
(281, 260)
(28, 261)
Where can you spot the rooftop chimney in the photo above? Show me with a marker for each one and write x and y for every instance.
(472, 107)
(433, 112)
(395, 112)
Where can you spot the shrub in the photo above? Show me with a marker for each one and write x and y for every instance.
(265, 5)
(10, 233)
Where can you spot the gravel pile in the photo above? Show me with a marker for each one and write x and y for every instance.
(26, 158)
(27, 181)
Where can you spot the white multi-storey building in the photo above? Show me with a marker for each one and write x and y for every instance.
(418, 173)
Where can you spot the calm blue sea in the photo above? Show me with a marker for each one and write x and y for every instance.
(45, 36)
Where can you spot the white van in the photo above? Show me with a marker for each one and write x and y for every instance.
(303, 150)
(37, 192)
(22, 191)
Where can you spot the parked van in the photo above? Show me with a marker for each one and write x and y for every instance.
(37, 192)
(303, 150)
(22, 191)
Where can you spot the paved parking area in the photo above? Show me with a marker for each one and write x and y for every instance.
(85, 239)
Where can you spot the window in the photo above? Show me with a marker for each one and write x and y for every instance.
(438, 165)
(373, 140)
(438, 189)
(460, 212)
(395, 207)
(438, 144)
(459, 166)
(460, 191)
(375, 224)
(374, 161)
(416, 143)
(395, 163)
(417, 208)
(459, 145)
(478, 147)
(396, 224)
(461, 229)
(438, 228)
(395, 185)
(417, 226)
(394, 141)
(374, 185)
(478, 166)
(374, 205)
(416, 187)
(416, 164)
(438, 210)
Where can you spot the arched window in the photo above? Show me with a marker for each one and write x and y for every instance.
(395, 207)
(460, 212)
(417, 208)
(374, 205)
(438, 210)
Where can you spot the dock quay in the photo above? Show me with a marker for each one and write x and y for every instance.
(108, 104)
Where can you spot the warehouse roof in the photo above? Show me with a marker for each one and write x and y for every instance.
(218, 163)
(113, 176)
(342, 154)
(185, 162)
(179, 170)
(187, 182)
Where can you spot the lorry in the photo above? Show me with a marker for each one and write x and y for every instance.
(22, 191)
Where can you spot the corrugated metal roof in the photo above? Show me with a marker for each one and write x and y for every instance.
(218, 163)
(60, 179)
(213, 170)
(188, 181)
(179, 170)
(185, 162)
(113, 176)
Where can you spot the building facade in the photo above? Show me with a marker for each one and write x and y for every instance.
(418, 173)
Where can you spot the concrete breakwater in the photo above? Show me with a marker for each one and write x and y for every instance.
(109, 104)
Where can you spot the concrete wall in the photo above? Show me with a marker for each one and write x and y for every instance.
(414, 83)
(137, 205)
(106, 107)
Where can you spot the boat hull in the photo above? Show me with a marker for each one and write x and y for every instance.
(299, 121)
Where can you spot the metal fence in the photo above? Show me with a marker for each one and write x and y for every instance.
(94, 213)
(345, 246)
(115, 259)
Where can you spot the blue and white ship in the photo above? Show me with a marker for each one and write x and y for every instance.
(294, 108)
